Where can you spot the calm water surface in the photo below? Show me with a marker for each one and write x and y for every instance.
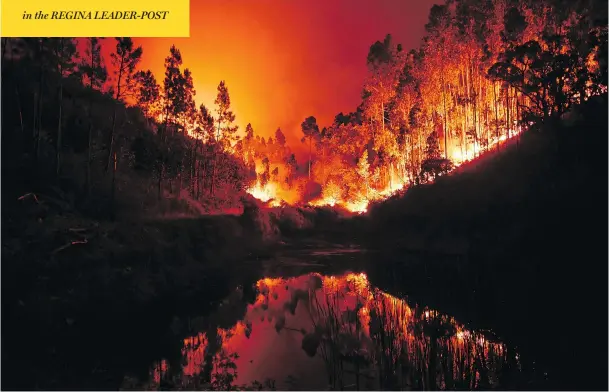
(316, 331)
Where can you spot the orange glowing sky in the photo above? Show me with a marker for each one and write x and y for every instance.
(284, 60)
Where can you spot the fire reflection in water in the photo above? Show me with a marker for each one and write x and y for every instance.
(363, 337)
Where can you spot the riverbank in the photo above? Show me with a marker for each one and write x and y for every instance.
(77, 290)
(515, 243)
(64, 274)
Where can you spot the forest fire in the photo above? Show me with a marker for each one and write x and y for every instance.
(425, 113)
(422, 113)
(137, 189)
(263, 193)
(331, 193)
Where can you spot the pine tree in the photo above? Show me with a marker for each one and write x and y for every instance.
(310, 129)
(147, 92)
(225, 117)
(226, 129)
(94, 74)
(125, 60)
(64, 51)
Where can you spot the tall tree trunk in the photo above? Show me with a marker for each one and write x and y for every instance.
(59, 135)
(468, 101)
(20, 110)
(482, 112)
(518, 119)
(165, 149)
(200, 174)
(496, 114)
(413, 163)
(444, 106)
(464, 115)
(113, 190)
(507, 112)
(39, 126)
(89, 155)
(89, 159)
(323, 158)
(5, 43)
(37, 123)
(309, 157)
(475, 109)
(180, 176)
(382, 113)
(193, 169)
(204, 173)
(215, 156)
(111, 139)
(213, 175)
(90, 132)
(35, 117)
(161, 169)
(118, 97)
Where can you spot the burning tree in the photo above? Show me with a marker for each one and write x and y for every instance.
(310, 129)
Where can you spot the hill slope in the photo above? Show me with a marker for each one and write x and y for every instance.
(515, 243)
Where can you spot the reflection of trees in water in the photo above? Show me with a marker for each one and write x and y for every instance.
(206, 363)
(221, 377)
(369, 339)
(366, 338)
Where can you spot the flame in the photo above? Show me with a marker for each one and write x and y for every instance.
(460, 157)
(275, 192)
(270, 193)
(398, 184)
(357, 207)
(263, 193)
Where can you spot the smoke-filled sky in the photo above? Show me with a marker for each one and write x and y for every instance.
(284, 60)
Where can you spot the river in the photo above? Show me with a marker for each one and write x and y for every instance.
(307, 316)
(316, 322)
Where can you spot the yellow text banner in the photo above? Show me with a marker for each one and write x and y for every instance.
(101, 18)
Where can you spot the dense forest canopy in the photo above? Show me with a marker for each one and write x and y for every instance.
(485, 71)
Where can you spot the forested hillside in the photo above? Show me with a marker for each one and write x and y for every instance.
(113, 139)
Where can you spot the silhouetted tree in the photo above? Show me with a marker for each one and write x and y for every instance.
(173, 86)
(226, 129)
(292, 166)
(225, 116)
(147, 91)
(280, 137)
(125, 60)
(94, 73)
(64, 51)
(310, 129)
